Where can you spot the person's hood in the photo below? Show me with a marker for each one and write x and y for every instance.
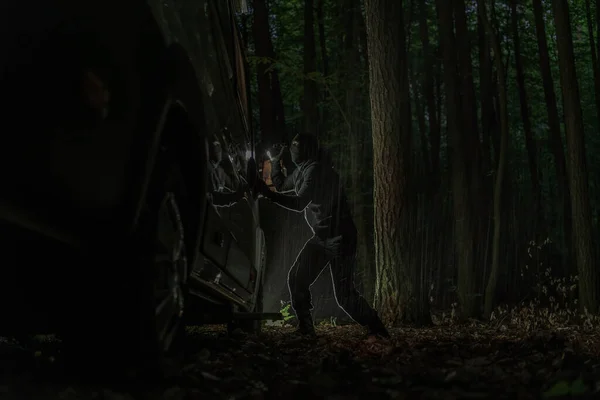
(303, 148)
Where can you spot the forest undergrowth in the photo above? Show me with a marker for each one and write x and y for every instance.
(542, 348)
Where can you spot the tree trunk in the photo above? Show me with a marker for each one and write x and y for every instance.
(428, 86)
(471, 139)
(581, 212)
(396, 293)
(523, 101)
(261, 33)
(490, 290)
(595, 67)
(426, 158)
(463, 222)
(489, 127)
(356, 137)
(278, 108)
(488, 122)
(597, 29)
(311, 96)
(554, 135)
(324, 60)
(363, 35)
(467, 94)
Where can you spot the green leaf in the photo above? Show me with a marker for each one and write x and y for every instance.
(559, 389)
(578, 387)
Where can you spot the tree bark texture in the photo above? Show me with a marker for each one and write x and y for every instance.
(396, 296)
(581, 212)
(463, 219)
(311, 93)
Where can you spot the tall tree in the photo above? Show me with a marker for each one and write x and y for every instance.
(492, 283)
(488, 115)
(270, 101)
(396, 294)
(324, 58)
(554, 134)
(461, 196)
(352, 70)
(581, 212)
(595, 66)
(428, 86)
(524, 103)
(311, 94)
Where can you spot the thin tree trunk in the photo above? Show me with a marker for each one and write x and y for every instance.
(356, 138)
(261, 34)
(597, 29)
(524, 103)
(428, 86)
(324, 60)
(471, 134)
(310, 98)
(581, 212)
(554, 134)
(422, 129)
(595, 67)
(490, 290)
(463, 220)
(363, 35)
(277, 99)
(467, 92)
(487, 99)
(489, 126)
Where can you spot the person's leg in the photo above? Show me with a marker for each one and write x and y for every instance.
(306, 269)
(346, 295)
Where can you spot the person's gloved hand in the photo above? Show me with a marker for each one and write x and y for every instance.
(241, 192)
(262, 188)
(275, 159)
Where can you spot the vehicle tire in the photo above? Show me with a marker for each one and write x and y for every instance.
(139, 329)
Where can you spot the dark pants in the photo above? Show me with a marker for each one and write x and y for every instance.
(312, 260)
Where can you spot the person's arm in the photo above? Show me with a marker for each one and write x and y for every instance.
(221, 199)
(304, 196)
(227, 180)
(281, 182)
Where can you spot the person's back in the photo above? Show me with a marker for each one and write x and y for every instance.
(328, 212)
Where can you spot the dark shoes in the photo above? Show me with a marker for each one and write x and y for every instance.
(377, 329)
(306, 326)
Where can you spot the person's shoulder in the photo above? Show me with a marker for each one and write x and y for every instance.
(311, 167)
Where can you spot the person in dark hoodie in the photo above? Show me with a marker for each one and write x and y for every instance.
(318, 192)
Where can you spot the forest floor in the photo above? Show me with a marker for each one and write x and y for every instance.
(468, 361)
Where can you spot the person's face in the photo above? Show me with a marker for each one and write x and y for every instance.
(295, 150)
(215, 152)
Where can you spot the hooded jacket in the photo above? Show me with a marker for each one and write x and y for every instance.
(318, 192)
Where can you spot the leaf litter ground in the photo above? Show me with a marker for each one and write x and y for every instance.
(444, 362)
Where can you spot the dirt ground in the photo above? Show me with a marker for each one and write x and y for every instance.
(444, 362)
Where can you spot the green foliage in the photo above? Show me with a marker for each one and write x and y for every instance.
(331, 322)
(285, 311)
(564, 388)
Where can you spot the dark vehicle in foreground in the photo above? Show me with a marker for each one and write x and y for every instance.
(108, 236)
